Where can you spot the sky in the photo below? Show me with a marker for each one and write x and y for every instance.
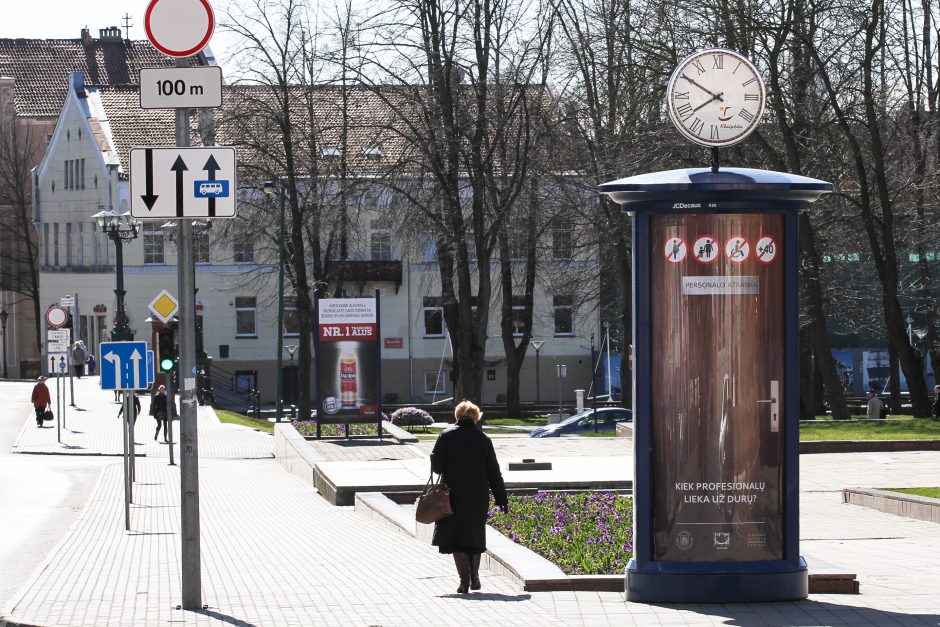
(65, 19)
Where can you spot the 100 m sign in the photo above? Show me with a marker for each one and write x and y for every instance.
(181, 88)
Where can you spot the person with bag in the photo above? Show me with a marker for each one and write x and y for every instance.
(464, 456)
(159, 410)
(41, 399)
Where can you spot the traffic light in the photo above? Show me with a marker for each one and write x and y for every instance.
(166, 350)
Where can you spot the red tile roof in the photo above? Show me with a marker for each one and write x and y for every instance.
(41, 67)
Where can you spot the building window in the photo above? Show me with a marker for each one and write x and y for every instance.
(373, 153)
(245, 316)
(153, 247)
(435, 382)
(55, 244)
(381, 244)
(433, 317)
(200, 244)
(518, 309)
(329, 152)
(243, 247)
(68, 244)
(428, 248)
(68, 174)
(291, 325)
(564, 315)
(562, 240)
(81, 243)
(47, 243)
(81, 173)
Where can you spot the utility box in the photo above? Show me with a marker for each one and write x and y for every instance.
(716, 383)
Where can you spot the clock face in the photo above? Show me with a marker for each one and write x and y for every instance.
(716, 97)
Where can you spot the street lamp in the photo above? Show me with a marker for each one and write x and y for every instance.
(4, 314)
(269, 188)
(119, 228)
(593, 384)
(562, 372)
(537, 344)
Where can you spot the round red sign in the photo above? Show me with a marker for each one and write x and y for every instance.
(56, 317)
(179, 28)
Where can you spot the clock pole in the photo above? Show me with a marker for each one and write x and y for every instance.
(715, 159)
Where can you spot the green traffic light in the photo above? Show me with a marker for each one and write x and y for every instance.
(166, 364)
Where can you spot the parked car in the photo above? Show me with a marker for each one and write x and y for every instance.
(607, 419)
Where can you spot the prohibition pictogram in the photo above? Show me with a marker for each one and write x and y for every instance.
(705, 249)
(766, 249)
(737, 248)
(675, 249)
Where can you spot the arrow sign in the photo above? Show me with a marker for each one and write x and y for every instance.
(115, 360)
(166, 182)
(123, 365)
(148, 197)
(179, 166)
(211, 167)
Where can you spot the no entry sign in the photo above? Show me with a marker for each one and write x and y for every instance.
(179, 28)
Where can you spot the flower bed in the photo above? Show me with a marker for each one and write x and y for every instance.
(308, 428)
(584, 533)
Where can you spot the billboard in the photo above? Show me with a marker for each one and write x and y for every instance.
(717, 381)
(347, 360)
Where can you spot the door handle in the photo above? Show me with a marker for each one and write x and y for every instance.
(774, 406)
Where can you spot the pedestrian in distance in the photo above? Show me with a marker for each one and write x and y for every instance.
(936, 401)
(876, 408)
(92, 365)
(78, 356)
(136, 408)
(41, 399)
(464, 456)
(159, 410)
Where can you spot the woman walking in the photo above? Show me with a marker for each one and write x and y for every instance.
(466, 459)
(159, 411)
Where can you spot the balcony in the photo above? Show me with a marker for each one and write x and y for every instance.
(365, 271)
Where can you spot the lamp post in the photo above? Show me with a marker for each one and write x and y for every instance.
(4, 314)
(593, 384)
(562, 372)
(537, 344)
(119, 228)
(269, 189)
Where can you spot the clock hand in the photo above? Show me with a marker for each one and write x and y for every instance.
(714, 97)
(708, 91)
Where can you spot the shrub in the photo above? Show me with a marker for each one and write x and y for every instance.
(411, 417)
(308, 428)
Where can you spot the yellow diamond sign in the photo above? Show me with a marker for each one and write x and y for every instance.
(164, 306)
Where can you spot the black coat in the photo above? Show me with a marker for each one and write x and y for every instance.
(465, 456)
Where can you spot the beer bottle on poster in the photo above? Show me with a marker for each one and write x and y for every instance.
(348, 380)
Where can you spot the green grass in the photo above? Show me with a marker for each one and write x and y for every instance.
(535, 421)
(894, 429)
(248, 421)
(933, 493)
(599, 434)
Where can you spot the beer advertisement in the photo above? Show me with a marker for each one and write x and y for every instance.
(717, 338)
(347, 359)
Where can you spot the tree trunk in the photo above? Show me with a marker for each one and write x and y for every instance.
(807, 393)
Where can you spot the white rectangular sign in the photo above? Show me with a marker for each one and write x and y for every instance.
(183, 182)
(719, 285)
(180, 88)
(59, 335)
(67, 301)
(56, 361)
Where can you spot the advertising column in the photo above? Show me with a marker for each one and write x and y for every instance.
(347, 360)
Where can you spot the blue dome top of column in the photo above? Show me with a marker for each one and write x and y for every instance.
(725, 185)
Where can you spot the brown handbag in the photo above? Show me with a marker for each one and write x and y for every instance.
(434, 503)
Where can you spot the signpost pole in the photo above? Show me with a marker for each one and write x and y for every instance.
(189, 455)
(127, 484)
(58, 393)
(170, 413)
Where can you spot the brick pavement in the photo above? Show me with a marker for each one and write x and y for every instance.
(275, 553)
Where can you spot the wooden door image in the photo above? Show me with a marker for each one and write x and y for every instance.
(717, 359)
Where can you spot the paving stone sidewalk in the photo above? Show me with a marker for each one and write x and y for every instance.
(275, 553)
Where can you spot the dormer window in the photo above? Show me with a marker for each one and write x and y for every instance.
(373, 152)
(329, 152)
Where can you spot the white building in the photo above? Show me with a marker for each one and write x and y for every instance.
(85, 171)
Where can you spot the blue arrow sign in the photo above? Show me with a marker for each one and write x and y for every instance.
(149, 368)
(123, 366)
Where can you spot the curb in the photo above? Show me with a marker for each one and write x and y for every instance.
(897, 503)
